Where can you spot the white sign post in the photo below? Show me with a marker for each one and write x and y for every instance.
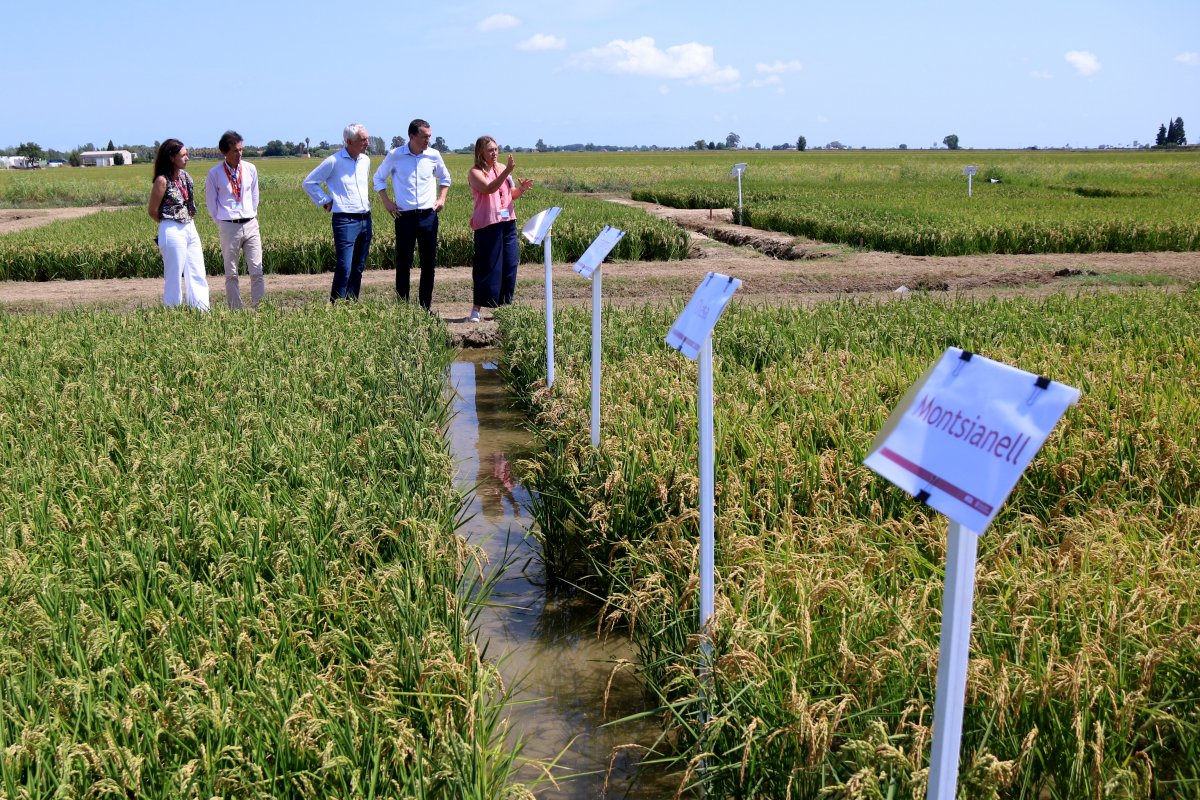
(691, 334)
(537, 231)
(959, 440)
(588, 266)
(737, 171)
(970, 173)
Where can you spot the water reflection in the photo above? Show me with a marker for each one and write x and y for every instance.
(548, 648)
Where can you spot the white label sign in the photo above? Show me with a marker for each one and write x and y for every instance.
(970, 170)
(737, 170)
(964, 433)
(696, 322)
(538, 226)
(600, 247)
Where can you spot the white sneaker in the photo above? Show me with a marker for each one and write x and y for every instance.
(474, 315)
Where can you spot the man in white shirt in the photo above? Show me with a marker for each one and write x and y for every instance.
(341, 185)
(231, 194)
(420, 182)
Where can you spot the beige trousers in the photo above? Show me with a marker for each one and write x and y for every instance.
(238, 238)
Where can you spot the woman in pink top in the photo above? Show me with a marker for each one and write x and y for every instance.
(495, 224)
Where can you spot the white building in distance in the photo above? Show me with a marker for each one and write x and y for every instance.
(104, 158)
(17, 162)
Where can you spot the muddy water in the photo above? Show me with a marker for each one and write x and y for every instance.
(546, 646)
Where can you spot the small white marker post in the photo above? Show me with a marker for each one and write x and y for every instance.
(691, 334)
(589, 266)
(958, 601)
(537, 231)
(969, 171)
(959, 440)
(737, 171)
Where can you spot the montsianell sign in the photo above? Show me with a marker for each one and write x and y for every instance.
(963, 434)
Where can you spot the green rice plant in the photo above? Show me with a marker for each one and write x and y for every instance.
(907, 201)
(1083, 677)
(228, 561)
(296, 234)
(916, 203)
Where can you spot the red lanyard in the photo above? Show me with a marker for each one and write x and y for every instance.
(503, 192)
(182, 187)
(235, 180)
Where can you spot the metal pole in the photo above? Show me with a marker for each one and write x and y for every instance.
(739, 198)
(707, 500)
(969, 177)
(546, 248)
(596, 357)
(957, 600)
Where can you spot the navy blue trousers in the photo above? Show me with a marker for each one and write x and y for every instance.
(494, 267)
(419, 228)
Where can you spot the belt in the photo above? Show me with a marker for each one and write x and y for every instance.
(420, 212)
(362, 215)
(242, 221)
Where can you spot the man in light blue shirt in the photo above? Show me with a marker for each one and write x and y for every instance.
(341, 185)
(420, 182)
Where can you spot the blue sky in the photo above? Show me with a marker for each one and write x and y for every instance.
(1006, 73)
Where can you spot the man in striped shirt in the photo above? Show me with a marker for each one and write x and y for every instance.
(231, 194)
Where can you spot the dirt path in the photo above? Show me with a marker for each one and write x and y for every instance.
(19, 219)
(808, 272)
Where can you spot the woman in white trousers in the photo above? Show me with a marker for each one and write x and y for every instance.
(173, 207)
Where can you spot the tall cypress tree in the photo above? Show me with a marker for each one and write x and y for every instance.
(1161, 139)
(1170, 132)
(1180, 136)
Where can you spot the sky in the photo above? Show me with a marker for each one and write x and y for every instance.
(998, 74)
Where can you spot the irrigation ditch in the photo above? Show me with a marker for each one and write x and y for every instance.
(572, 687)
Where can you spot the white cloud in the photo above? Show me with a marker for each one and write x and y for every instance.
(542, 41)
(1041, 75)
(770, 80)
(1085, 63)
(692, 62)
(498, 22)
(1191, 59)
(779, 66)
(822, 119)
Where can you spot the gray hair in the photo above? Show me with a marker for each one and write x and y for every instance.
(351, 130)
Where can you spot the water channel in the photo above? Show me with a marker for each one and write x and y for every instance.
(547, 646)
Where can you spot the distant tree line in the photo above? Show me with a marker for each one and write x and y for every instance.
(542, 147)
(1171, 134)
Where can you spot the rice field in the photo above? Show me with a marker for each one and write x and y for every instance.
(296, 234)
(1085, 658)
(228, 561)
(904, 201)
(916, 203)
(227, 554)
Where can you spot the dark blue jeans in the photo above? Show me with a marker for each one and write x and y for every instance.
(494, 267)
(351, 241)
(418, 228)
